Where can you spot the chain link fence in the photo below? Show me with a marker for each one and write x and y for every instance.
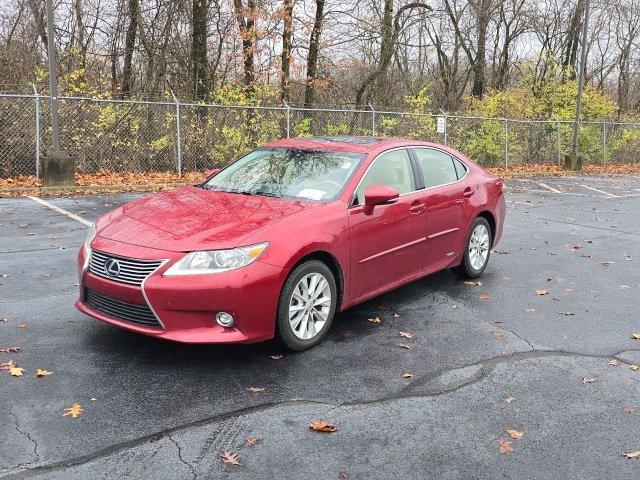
(140, 136)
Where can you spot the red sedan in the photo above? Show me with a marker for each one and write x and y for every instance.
(280, 240)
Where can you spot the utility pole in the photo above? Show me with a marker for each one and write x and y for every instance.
(574, 160)
(58, 168)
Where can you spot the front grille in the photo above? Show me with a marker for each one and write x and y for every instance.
(121, 310)
(132, 271)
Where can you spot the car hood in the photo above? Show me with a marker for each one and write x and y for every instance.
(192, 218)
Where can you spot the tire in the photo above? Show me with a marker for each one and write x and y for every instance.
(296, 307)
(473, 265)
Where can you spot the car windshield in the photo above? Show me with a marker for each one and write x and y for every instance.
(283, 172)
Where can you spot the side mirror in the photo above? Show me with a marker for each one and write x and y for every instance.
(379, 194)
(212, 172)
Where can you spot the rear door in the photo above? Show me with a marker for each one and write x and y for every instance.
(387, 244)
(447, 190)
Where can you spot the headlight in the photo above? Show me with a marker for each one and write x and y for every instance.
(214, 261)
(91, 234)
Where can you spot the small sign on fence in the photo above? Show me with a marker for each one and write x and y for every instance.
(441, 124)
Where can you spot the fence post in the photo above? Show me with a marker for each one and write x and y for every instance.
(446, 129)
(604, 141)
(37, 99)
(373, 120)
(178, 139)
(288, 119)
(506, 144)
(558, 142)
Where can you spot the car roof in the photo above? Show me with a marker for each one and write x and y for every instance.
(346, 143)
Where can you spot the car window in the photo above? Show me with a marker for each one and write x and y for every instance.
(289, 173)
(437, 167)
(391, 169)
(460, 168)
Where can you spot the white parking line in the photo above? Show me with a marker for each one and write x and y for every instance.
(600, 191)
(61, 210)
(554, 190)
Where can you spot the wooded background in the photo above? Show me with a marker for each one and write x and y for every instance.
(450, 55)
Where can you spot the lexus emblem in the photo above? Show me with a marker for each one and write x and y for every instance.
(112, 267)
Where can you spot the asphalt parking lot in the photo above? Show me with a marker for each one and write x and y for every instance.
(555, 367)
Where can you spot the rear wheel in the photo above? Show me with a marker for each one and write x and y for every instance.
(307, 305)
(477, 250)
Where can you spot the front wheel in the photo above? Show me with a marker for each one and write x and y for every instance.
(307, 305)
(477, 250)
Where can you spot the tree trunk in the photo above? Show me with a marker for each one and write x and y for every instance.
(390, 31)
(246, 25)
(199, 65)
(312, 58)
(569, 64)
(287, 34)
(129, 45)
(480, 61)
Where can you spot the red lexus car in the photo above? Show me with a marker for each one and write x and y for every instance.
(283, 238)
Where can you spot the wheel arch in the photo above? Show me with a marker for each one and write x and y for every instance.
(488, 216)
(332, 263)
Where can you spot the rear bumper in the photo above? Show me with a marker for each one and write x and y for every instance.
(499, 214)
(186, 305)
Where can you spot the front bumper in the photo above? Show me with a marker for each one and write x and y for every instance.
(186, 305)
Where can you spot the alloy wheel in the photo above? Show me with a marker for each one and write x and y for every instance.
(479, 247)
(309, 306)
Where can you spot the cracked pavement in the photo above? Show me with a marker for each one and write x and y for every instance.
(155, 409)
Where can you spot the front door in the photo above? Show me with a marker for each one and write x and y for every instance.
(388, 243)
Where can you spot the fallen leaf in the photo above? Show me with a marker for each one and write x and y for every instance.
(530, 310)
(589, 380)
(396, 315)
(504, 446)
(406, 334)
(3, 319)
(510, 399)
(566, 313)
(10, 350)
(375, 320)
(473, 283)
(515, 433)
(16, 371)
(230, 457)
(629, 409)
(403, 345)
(251, 441)
(42, 373)
(607, 263)
(407, 375)
(635, 454)
(635, 368)
(23, 325)
(614, 362)
(5, 275)
(255, 389)
(636, 336)
(485, 296)
(74, 410)
(8, 365)
(276, 357)
(384, 308)
(323, 427)
(497, 335)
(542, 292)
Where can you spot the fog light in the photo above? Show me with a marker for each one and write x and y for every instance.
(224, 319)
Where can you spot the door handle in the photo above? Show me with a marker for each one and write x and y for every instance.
(467, 192)
(416, 207)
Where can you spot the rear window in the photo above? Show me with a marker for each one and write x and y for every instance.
(437, 167)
